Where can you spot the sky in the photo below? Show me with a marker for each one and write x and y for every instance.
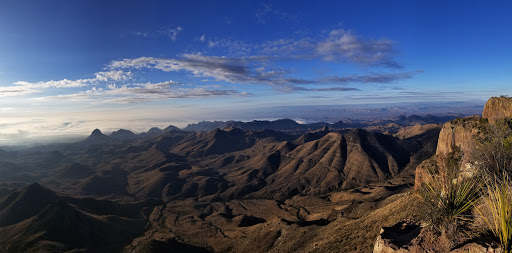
(67, 67)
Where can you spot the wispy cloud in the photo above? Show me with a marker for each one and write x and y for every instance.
(339, 45)
(301, 88)
(109, 76)
(11, 91)
(145, 92)
(267, 11)
(342, 45)
(221, 68)
(371, 78)
(234, 70)
(173, 32)
(246, 70)
(140, 34)
(249, 64)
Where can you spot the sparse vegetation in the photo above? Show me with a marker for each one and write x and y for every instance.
(494, 150)
(496, 211)
(494, 156)
(449, 200)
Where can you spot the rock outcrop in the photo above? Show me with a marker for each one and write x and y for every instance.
(498, 108)
(456, 146)
(457, 139)
(458, 134)
(409, 236)
(399, 238)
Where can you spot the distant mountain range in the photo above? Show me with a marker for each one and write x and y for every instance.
(171, 189)
(288, 125)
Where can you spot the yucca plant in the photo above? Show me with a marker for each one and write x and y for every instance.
(448, 199)
(498, 202)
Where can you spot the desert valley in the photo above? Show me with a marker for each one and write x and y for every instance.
(295, 189)
(131, 126)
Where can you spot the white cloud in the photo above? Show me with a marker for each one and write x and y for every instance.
(254, 67)
(173, 32)
(109, 76)
(213, 43)
(246, 70)
(141, 34)
(15, 91)
(338, 45)
(139, 93)
(342, 45)
(65, 83)
(220, 68)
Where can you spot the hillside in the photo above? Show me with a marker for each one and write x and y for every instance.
(470, 149)
(205, 191)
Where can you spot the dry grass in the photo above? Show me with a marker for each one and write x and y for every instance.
(496, 211)
(448, 199)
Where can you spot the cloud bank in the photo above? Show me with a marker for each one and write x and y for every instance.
(254, 64)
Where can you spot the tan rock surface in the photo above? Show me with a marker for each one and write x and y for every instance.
(498, 108)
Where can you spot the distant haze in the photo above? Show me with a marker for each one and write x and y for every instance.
(43, 128)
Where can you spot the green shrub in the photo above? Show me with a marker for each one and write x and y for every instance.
(498, 205)
(450, 199)
(494, 150)
(448, 202)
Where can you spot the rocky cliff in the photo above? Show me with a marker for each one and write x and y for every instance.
(459, 134)
(457, 139)
(498, 108)
(457, 149)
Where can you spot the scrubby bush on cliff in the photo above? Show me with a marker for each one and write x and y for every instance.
(496, 211)
(494, 159)
(494, 150)
(449, 200)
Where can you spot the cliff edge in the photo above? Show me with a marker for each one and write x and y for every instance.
(498, 108)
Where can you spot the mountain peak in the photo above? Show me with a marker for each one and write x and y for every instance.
(96, 132)
(154, 130)
(171, 128)
(34, 187)
(235, 130)
(123, 134)
(96, 137)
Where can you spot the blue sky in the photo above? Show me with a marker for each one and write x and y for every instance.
(66, 66)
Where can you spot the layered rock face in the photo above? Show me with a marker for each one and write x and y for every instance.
(461, 133)
(457, 139)
(498, 108)
(458, 134)
(457, 142)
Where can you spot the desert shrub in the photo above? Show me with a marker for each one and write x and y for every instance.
(448, 201)
(494, 150)
(496, 210)
(483, 121)
(431, 242)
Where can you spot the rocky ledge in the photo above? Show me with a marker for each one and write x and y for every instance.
(410, 236)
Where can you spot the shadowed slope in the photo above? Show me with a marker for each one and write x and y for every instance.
(336, 161)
